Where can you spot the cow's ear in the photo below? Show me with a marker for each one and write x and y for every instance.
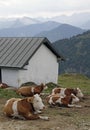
(30, 99)
(42, 84)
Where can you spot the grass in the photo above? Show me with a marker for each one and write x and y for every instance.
(4, 93)
(75, 80)
(64, 80)
(72, 81)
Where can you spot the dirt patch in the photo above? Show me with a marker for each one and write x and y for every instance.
(60, 119)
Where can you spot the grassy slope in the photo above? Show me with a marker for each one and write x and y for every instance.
(75, 80)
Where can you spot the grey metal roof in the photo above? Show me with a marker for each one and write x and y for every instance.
(16, 51)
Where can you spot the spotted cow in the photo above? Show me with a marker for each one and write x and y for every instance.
(31, 90)
(27, 108)
(67, 101)
(3, 85)
(68, 91)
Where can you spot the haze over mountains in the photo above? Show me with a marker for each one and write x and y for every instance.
(78, 19)
(16, 22)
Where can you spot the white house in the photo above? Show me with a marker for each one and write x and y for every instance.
(25, 59)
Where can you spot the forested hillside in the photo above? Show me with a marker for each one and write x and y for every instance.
(76, 51)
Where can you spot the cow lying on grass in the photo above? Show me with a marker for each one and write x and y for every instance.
(68, 91)
(66, 101)
(3, 85)
(27, 108)
(31, 90)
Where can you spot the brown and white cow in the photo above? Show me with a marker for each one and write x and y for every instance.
(31, 90)
(68, 91)
(3, 85)
(67, 101)
(26, 108)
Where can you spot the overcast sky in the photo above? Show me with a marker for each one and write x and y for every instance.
(42, 8)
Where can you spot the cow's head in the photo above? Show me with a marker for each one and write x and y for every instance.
(75, 99)
(37, 103)
(43, 86)
(79, 93)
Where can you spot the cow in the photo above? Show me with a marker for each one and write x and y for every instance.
(68, 91)
(27, 108)
(66, 101)
(28, 91)
(3, 85)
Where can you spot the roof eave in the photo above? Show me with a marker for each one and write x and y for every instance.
(11, 67)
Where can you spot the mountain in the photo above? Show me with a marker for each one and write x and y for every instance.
(76, 51)
(28, 30)
(17, 22)
(86, 25)
(6, 23)
(52, 30)
(76, 19)
(61, 32)
(20, 22)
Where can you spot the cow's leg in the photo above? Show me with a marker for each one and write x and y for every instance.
(19, 117)
(30, 116)
(44, 118)
(78, 106)
(73, 105)
(70, 105)
(36, 112)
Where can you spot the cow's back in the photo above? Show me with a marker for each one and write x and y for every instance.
(25, 91)
(8, 107)
(16, 107)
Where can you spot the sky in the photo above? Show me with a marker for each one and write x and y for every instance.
(42, 8)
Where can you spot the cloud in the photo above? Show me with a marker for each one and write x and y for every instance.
(3, 3)
(45, 8)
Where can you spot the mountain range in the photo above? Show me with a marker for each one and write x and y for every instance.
(17, 22)
(54, 28)
(76, 19)
(50, 29)
(76, 51)
(81, 20)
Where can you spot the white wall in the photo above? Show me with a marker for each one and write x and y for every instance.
(10, 77)
(23, 78)
(43, 66)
